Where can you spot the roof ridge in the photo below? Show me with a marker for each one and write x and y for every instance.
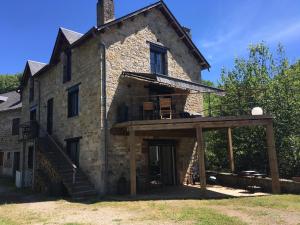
(29, 60)
(63, 28)
(130, 14)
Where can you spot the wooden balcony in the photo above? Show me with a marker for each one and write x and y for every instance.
(194, 128)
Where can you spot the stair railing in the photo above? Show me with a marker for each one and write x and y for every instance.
(74, 167)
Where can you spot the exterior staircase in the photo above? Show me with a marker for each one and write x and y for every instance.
(75, 181)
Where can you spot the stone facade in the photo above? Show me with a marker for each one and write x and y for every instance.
(9, 144)
(127, 49)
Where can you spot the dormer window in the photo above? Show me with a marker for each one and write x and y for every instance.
(31, 89)
(67, 73)
(158, 59)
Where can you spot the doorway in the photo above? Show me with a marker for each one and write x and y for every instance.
(162, 163)
(16, 165)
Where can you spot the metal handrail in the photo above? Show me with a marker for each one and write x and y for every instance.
(74, 167)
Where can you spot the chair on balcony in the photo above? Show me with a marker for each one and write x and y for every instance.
(148, 110)
(165, 105)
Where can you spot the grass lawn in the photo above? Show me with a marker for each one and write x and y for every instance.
(281, 209)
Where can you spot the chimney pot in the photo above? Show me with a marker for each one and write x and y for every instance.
(105, 11)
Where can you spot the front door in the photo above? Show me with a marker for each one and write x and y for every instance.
(73, 150)
(162, 163)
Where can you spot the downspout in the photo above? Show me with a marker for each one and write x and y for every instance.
(103, 101)
(35, 138)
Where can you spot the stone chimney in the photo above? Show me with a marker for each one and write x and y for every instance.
(105, 11)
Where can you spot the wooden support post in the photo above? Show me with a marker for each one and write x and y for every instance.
(230, 150)
(132, 144)
(273, 159)
(201, 157)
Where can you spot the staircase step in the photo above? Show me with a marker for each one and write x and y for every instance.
(82, 188)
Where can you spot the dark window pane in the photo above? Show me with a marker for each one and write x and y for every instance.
(73, 102)
(1, 158)
(158, 60)
(50, 116)
(31, 89)
(15, 126)
(67, 66)
(30, 158)
(33, 115)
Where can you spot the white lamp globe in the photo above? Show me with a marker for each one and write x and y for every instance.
(257, 111)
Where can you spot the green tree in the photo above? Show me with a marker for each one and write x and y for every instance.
(265, 81)
(9, 82)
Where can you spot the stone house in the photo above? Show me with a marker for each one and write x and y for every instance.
(84, 112)
(10, 114)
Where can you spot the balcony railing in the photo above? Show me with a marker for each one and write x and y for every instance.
(173, 106)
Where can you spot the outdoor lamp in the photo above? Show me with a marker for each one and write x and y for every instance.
(257, 111)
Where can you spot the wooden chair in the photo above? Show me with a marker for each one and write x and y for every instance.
(165, 105)
(148, 108)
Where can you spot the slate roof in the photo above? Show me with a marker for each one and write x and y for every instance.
(70, 35)
(13, 101)
(74, 38)
(173, 82)
(35, 66)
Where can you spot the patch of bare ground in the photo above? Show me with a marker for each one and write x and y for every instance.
(260, 215)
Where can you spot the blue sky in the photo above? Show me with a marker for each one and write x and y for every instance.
(222, 29)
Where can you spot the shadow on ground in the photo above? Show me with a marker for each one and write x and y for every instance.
(11, 195)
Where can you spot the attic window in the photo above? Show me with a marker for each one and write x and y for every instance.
(67, 73)
(31, 89)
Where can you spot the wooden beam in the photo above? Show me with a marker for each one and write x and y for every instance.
(170, 133)
(204, 125)
(230, 150)
(273, 159)
(132, 144)
(201, 157)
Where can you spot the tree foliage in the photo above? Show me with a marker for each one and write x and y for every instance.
(269, 82)
(9, 82)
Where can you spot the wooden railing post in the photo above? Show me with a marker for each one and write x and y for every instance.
(201, 157)
(132, 149)
(230, 150)
(273, 159)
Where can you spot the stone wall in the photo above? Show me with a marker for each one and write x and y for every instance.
(9, 144)
(87, 125)
(128, 49)
(232, 180)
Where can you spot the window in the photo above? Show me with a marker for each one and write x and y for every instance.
(73, 101)
(158, 59)
(31, 89)
(15, 126)
(8, 156)
(1, 158)
(50, 116)
(30, 158)
(73, 150)
(67, 71)
(33, 115)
